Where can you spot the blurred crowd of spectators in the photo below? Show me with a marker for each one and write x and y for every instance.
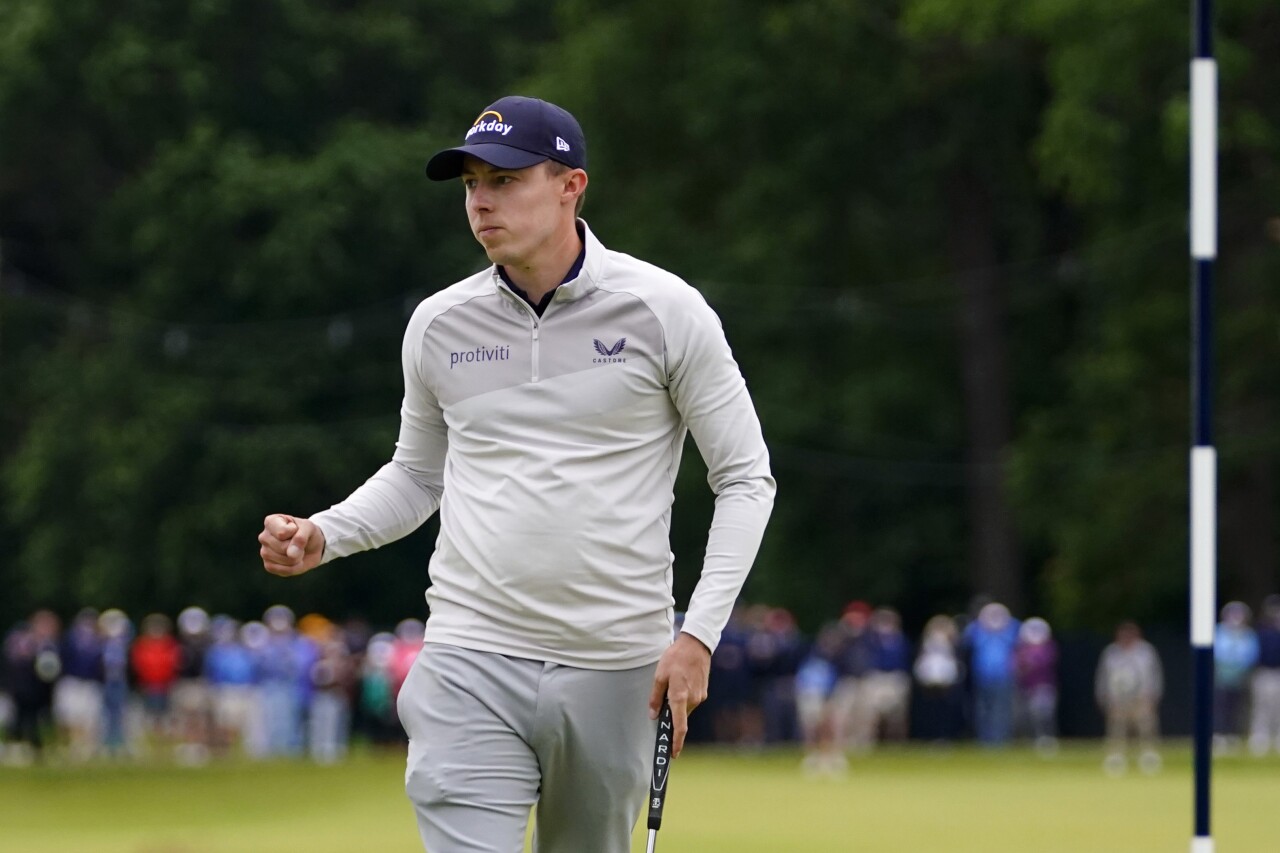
(210, 686)
(986, 675)
(861, 680)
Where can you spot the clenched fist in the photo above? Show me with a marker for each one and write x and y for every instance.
(290, 546)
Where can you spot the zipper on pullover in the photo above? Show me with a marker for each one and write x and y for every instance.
(534, 359)
(536, 322)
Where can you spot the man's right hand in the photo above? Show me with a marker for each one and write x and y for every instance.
(290, 546)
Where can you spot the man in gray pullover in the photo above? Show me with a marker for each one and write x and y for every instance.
(546, 403)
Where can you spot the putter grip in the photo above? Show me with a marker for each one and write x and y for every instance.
(661, 766)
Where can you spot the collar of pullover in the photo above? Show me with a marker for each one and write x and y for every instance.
(583, 278)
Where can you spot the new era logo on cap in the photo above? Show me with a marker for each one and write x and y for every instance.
(515, 133)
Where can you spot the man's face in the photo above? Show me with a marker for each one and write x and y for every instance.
(513, 212)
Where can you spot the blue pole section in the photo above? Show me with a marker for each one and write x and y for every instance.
(1204, 462)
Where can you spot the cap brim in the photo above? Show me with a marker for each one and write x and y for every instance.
(447, 165)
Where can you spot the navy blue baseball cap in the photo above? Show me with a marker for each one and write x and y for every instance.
(515, 133)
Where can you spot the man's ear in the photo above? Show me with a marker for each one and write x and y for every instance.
(575, 184)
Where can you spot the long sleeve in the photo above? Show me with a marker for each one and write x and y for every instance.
(708, 390)
(404, 493)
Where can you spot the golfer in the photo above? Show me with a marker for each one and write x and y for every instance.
(545, 409)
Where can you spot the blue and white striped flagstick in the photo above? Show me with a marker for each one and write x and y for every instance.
(1204, 460)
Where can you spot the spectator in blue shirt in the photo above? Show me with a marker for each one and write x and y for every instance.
(773, 654)
(729, 688)
(283, 671)
(77, 696)
(991, 640)
(815, 682)
(851, 707)
(1235, 652)
(889, 681)
(117, 635)
(232, 673)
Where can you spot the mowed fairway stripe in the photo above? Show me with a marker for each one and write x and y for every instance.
(899, 799)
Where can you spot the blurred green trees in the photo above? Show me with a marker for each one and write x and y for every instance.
(946, 237)
(1100, 470)
(214, 227)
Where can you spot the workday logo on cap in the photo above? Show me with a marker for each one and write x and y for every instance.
(493, 125)
(515, 133)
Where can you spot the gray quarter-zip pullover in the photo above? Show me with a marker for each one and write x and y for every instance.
(550, 445)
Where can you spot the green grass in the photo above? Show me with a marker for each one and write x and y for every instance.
(905, 799)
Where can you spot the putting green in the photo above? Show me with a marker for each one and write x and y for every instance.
(899, 799)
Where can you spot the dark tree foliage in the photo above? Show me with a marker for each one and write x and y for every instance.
(946, 238)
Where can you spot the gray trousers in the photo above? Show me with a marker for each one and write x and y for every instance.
(490, 736)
